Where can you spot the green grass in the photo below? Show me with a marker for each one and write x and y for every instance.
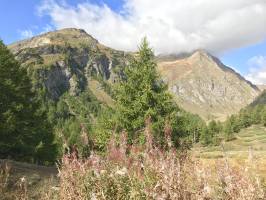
(249, 141)
(253, 138)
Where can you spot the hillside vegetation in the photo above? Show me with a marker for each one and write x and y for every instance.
(247, 141)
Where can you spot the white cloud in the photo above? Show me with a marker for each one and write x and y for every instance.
(172, 26)
(47, 28)
(25, 34)
(35, 30)
(257, 71)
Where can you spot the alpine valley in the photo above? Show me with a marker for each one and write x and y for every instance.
(71, 61)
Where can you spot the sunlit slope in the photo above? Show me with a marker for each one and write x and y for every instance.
(203, 85)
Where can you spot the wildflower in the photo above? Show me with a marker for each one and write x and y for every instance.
(121, 172)
(22, 179)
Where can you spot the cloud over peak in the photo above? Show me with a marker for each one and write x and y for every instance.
(172, 26)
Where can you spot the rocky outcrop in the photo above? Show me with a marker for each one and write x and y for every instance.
(57, 80)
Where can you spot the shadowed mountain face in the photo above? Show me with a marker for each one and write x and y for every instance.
(203, 85)
(71, 60)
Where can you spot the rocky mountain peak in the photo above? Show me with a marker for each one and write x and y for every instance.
(202, 84)
(70, 36)
(204, 58)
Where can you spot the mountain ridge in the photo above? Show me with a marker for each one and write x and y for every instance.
(65, 60)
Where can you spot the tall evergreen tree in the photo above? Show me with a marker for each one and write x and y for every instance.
(143, 94)
(24, 131)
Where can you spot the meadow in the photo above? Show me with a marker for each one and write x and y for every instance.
(247, 148)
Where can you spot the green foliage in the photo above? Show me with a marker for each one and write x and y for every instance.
(205, 136)
(263, 117)
(73, 115)
(246, 117)
(228, 130)
(191, 126)
(143, 94)
(215, 128)
(211, 133)
(102, 130)
(25, 133)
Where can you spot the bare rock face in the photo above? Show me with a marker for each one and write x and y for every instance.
(64, 60)
(58, 80)
(203, 85)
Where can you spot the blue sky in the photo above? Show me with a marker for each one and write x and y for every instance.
(22, 19)
(238, 58)
(17, 16)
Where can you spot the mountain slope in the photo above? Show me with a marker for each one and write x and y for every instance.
(203, 85)
(62, 61)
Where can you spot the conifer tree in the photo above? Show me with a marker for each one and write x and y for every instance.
(205, 137)
(213, 131)
(143, 94)
(24, 131)
(228, 130)
(263, 116)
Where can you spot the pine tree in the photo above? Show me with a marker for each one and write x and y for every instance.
(24, 131)
(244, 118)
(228, 130)
(205, 137)
(213, 131)
(143, 94)
(263, 116)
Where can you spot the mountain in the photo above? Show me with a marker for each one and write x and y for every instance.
(203, 85)
(70, 60)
